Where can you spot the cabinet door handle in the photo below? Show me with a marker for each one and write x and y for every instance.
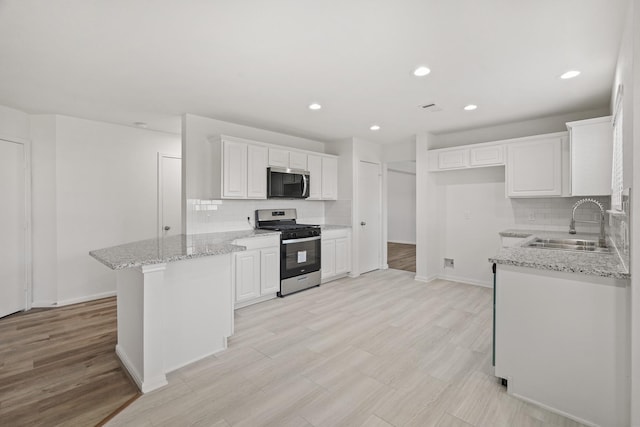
(167, 228)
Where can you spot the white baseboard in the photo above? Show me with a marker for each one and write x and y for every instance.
(425, 279)
(465, 280)
(44, 304)
(554, 410)
(85, 299)
(144, 386)
(402, 242)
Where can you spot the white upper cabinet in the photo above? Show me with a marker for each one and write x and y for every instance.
(534, 167)
(591, 143)
(486, 156)
(244, 171)
(234, 170)
(298, 160)
(314, 164)
(256, 172)
(329, 178)
(278, 157)
(243, 168)
(467, 156)
(453, 159)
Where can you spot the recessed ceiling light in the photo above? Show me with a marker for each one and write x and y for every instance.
(375, 127)
(315, 106)
(421, 71)
(570, 74)
(470, 107)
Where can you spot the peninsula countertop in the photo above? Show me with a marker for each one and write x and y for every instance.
(594, 264)
(173, 248)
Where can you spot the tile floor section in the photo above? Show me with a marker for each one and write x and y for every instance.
(379, 350)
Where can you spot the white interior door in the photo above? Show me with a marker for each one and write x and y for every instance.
(13, 278)
(170, 195)
(369, 211)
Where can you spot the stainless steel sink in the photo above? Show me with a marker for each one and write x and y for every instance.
(576, 245)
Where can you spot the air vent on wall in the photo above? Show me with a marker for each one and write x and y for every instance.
(432, 108)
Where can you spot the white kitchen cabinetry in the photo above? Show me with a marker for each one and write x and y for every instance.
(297, 160)
(486, 156)
(234, 170)
(243, 164)
(561, 342)
(534, 167)
(467, 157)
(591, 147)
(247, 275)
(270, 271)
(453, 159)
(314, 164)
(336, 254)
(329, 178)
(244, 171)
(256, 172)
(257, 270)
(278, 157)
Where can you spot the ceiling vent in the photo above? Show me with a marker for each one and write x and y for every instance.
(432, 108)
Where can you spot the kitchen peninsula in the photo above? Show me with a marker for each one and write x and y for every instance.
(561, 334)
(175, 300)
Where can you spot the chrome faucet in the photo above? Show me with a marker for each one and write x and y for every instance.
(572, 225)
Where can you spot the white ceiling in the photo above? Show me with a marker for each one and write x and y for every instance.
(262, 62)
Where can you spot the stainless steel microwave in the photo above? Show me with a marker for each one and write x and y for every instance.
(287, 183)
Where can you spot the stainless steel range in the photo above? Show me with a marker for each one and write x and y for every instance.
(299, 249)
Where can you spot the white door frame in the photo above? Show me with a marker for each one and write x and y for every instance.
(28, 262)
(160, 218)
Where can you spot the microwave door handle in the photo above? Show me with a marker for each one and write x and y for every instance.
(304, 185)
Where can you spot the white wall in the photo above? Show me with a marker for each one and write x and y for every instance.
(44, 210)
(627, 74)
(95, 185)
(524, 128)
(401, 202)
(13, 123)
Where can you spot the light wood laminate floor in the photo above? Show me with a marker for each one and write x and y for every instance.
(58, 366)
(401, 256)
(378, 350)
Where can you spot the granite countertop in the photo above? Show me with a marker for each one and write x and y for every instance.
(329, 227)
(173, 248)
(595, 264)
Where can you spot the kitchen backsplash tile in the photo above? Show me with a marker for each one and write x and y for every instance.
(555, 213)
(338, 212)
(210, 216)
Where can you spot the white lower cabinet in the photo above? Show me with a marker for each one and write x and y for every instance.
(336, 254)
(270, 271)
(560, 341)
(257, 270)
(247, 275)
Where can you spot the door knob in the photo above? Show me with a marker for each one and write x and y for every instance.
(363, 223)
(167, 228)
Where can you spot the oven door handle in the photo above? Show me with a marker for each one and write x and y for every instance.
(307, 239)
